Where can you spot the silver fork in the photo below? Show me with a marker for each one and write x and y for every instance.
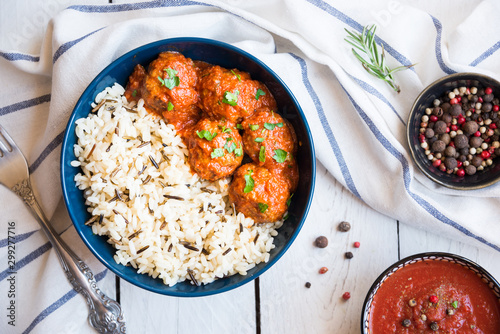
(105, 314)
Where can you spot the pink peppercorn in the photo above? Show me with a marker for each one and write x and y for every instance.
(346, 296)
(461, 172)
(433, 299)
(488, 90)
(357, 244)
(323, 270)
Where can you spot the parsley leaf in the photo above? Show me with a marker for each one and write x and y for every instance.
(237, 75)
(206, 134)
(249, 183)
(170, 106)
(239, 126)
(172, 80)
(263, 207)
(259, 140)
(253, 127)
(231, 98)
(279, 125)
(289, 201)
(262, 154)
(279, 155)
(224, 129)
(230, 147)
(455, 304)
(238, 152)
(134, 93)
(271, 126)
(217, 152)
(259, 93)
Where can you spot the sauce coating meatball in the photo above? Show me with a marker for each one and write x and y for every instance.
(169, 89)
(268, 139)
(232, 94)
(259, 193)
(215, 149)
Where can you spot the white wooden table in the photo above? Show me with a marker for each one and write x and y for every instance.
(277, 302)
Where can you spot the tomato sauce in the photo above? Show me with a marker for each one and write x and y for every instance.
(433, 296)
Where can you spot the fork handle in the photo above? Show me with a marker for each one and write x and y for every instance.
(105, 314)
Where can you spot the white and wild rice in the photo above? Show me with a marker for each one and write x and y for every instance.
(162, 219)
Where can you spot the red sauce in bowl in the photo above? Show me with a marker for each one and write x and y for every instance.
(434, 296)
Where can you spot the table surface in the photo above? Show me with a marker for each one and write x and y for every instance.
(278, 301)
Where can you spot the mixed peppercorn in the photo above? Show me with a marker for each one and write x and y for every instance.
(460, 132)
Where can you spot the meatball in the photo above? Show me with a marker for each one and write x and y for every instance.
(259, 193)
(232, 94)
(215, 149)
(290, 172)
(169, 89)
(132, 92)
(268, 139)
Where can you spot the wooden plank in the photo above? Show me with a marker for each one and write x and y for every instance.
(230, 312)
(287, 306)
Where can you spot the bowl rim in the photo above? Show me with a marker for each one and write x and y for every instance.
(435, 256)
(64, 157)
(409, 132)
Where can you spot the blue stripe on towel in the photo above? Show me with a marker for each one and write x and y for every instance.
(26, 260)
(407, 177)
(24, 104)
(48, 149)
(66, 46)
(486, 54)
(133, 6)
(352, 23)
(439, 56)
(14, 56)
(18, 238)
(326, 127)
(58, 303)
(369, 89)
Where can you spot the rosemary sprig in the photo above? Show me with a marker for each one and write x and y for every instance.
(373, 62)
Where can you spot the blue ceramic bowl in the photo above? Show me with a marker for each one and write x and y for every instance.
(217, 53)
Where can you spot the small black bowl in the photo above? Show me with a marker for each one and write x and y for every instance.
(480, 179)
(485, 276)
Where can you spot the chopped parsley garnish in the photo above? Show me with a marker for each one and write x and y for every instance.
(254, 127)
(237, 75)
(259, 139)
(134, 93)
(279, 155)
(231, 98)
(262, 154)
(230, 146)
(271, 126)
(289, 200)
(249, 182)
(238, 152)
(170, 106)
(217, 152)
(172, 80)
(259, 93)
(206, 134)
(239, 126)
(263, 207)
(224, 129)
(286, 216)
(455, 304)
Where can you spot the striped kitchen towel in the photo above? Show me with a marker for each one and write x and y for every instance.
(358, 122)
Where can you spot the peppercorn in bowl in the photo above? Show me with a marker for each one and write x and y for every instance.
(453, 131)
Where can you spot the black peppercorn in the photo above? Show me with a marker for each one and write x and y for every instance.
(321, 242)
(450, 163)
(488, 98)
(447, 118)
(440, 127)
(455, 110)
(429, 133)
(445, 138)
(438, 146)
(348, 255)
(461, 141)
(470, 127)
(450, 151)
(406, 323)
(308, 285)
(476, 161)
(434, 326)
(437, 111)
(344, 227)
(475, 141)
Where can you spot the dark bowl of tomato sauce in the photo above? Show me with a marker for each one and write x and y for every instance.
(433, 293)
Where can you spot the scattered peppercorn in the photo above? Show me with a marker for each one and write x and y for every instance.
(349, 255)
(406, 323)
(357, 244)
(323, 270)
(346, 296)
(321, 242)
(450, 311)
(434, 326)
(412, 302)
(433, 299)
(344, 226)
(308, 285)
(423, 317)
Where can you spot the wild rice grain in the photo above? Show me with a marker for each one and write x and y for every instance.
(142, 249)
(154, 162)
